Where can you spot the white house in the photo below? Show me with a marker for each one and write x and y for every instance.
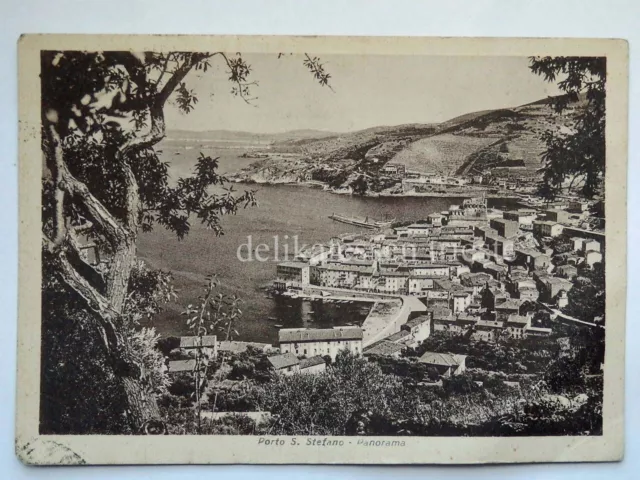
(320, 341)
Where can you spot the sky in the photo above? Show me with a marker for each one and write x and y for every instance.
(367, 91)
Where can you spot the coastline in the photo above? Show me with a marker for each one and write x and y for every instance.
(326, 188)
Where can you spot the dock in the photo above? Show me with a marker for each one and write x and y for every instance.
(360, 222)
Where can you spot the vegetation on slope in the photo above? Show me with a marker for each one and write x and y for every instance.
(474, 143)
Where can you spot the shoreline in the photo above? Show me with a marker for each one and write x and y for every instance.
(324, 187)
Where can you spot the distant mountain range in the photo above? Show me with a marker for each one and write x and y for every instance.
(222, 135)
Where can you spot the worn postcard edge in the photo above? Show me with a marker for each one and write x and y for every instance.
(33, 448)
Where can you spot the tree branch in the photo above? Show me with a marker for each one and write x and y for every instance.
(55, 163)
(77, 189)
(156, 133)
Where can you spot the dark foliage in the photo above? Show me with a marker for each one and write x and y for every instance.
(578, 156)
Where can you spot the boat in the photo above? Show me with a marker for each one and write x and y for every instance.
(277, 325)
(361, 222)
(272, 319)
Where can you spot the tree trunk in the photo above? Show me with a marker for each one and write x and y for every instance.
(119, 273)
(142, 409)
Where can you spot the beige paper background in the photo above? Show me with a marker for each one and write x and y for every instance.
(94, 449)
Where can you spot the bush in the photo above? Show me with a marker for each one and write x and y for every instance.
(165, 345)
(183, 385)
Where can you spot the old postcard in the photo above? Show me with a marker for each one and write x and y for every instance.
(321, 250)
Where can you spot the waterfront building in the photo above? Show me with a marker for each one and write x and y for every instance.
(292, 274)
(320, 341)
(415, 229)
(435, 219)
(393, 168)
(345, 275)
(393, 282)
(314, 255)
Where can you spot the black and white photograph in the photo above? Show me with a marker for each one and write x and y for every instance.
(322, 248)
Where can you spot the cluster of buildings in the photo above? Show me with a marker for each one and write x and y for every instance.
(477, 273)
(468, 265)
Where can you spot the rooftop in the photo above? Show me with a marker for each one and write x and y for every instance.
(311, 362)
(397, 336)
(287, 335)
(283, 361)
(419, 320)
(544, 222)
(293, 264)
(444, 359)
(176, 366)
(383, 347)
(539, 329)
(489, 324)
(558, 281)
(464, 318)
(194, 342)
(511, 304)
(518, 319)
(530, 252)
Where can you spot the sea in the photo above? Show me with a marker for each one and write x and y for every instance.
(255, 239)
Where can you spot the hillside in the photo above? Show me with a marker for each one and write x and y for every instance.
(504, 141)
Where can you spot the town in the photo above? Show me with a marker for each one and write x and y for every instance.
(471, 271)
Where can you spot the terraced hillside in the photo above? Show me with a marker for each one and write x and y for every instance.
(441, 154)
(504, 141)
